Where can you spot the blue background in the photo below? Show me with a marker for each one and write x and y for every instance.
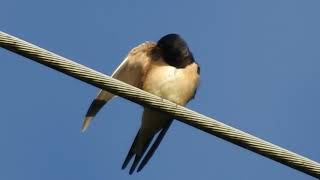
(259, 72)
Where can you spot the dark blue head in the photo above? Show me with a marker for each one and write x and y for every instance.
(175, 51)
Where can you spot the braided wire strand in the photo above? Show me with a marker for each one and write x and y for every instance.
(141, 97)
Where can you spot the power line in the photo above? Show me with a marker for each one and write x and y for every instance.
(139, 96)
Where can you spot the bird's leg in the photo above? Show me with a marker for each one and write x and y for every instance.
(161, 99)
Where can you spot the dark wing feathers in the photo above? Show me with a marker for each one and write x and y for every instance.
(129, 71)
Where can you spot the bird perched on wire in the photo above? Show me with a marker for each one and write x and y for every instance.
(167, 69)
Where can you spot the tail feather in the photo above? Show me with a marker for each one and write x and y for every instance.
(138, 157)
(154, 146)
(130, 153)
(133, 152)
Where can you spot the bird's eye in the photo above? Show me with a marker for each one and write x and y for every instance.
(185, 52)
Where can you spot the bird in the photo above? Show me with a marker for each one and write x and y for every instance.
(166, 68)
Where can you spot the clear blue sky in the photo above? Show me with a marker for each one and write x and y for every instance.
(259, 72)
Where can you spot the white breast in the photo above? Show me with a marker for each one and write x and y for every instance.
(168, 82)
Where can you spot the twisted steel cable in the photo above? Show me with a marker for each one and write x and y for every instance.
(141, 97)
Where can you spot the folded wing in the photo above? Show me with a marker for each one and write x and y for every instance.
(130, 71)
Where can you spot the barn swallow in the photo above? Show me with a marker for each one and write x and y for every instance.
(167, 69)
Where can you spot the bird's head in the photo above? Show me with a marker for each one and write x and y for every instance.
(175, 50)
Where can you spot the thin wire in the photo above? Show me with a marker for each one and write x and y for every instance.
(139, 96)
